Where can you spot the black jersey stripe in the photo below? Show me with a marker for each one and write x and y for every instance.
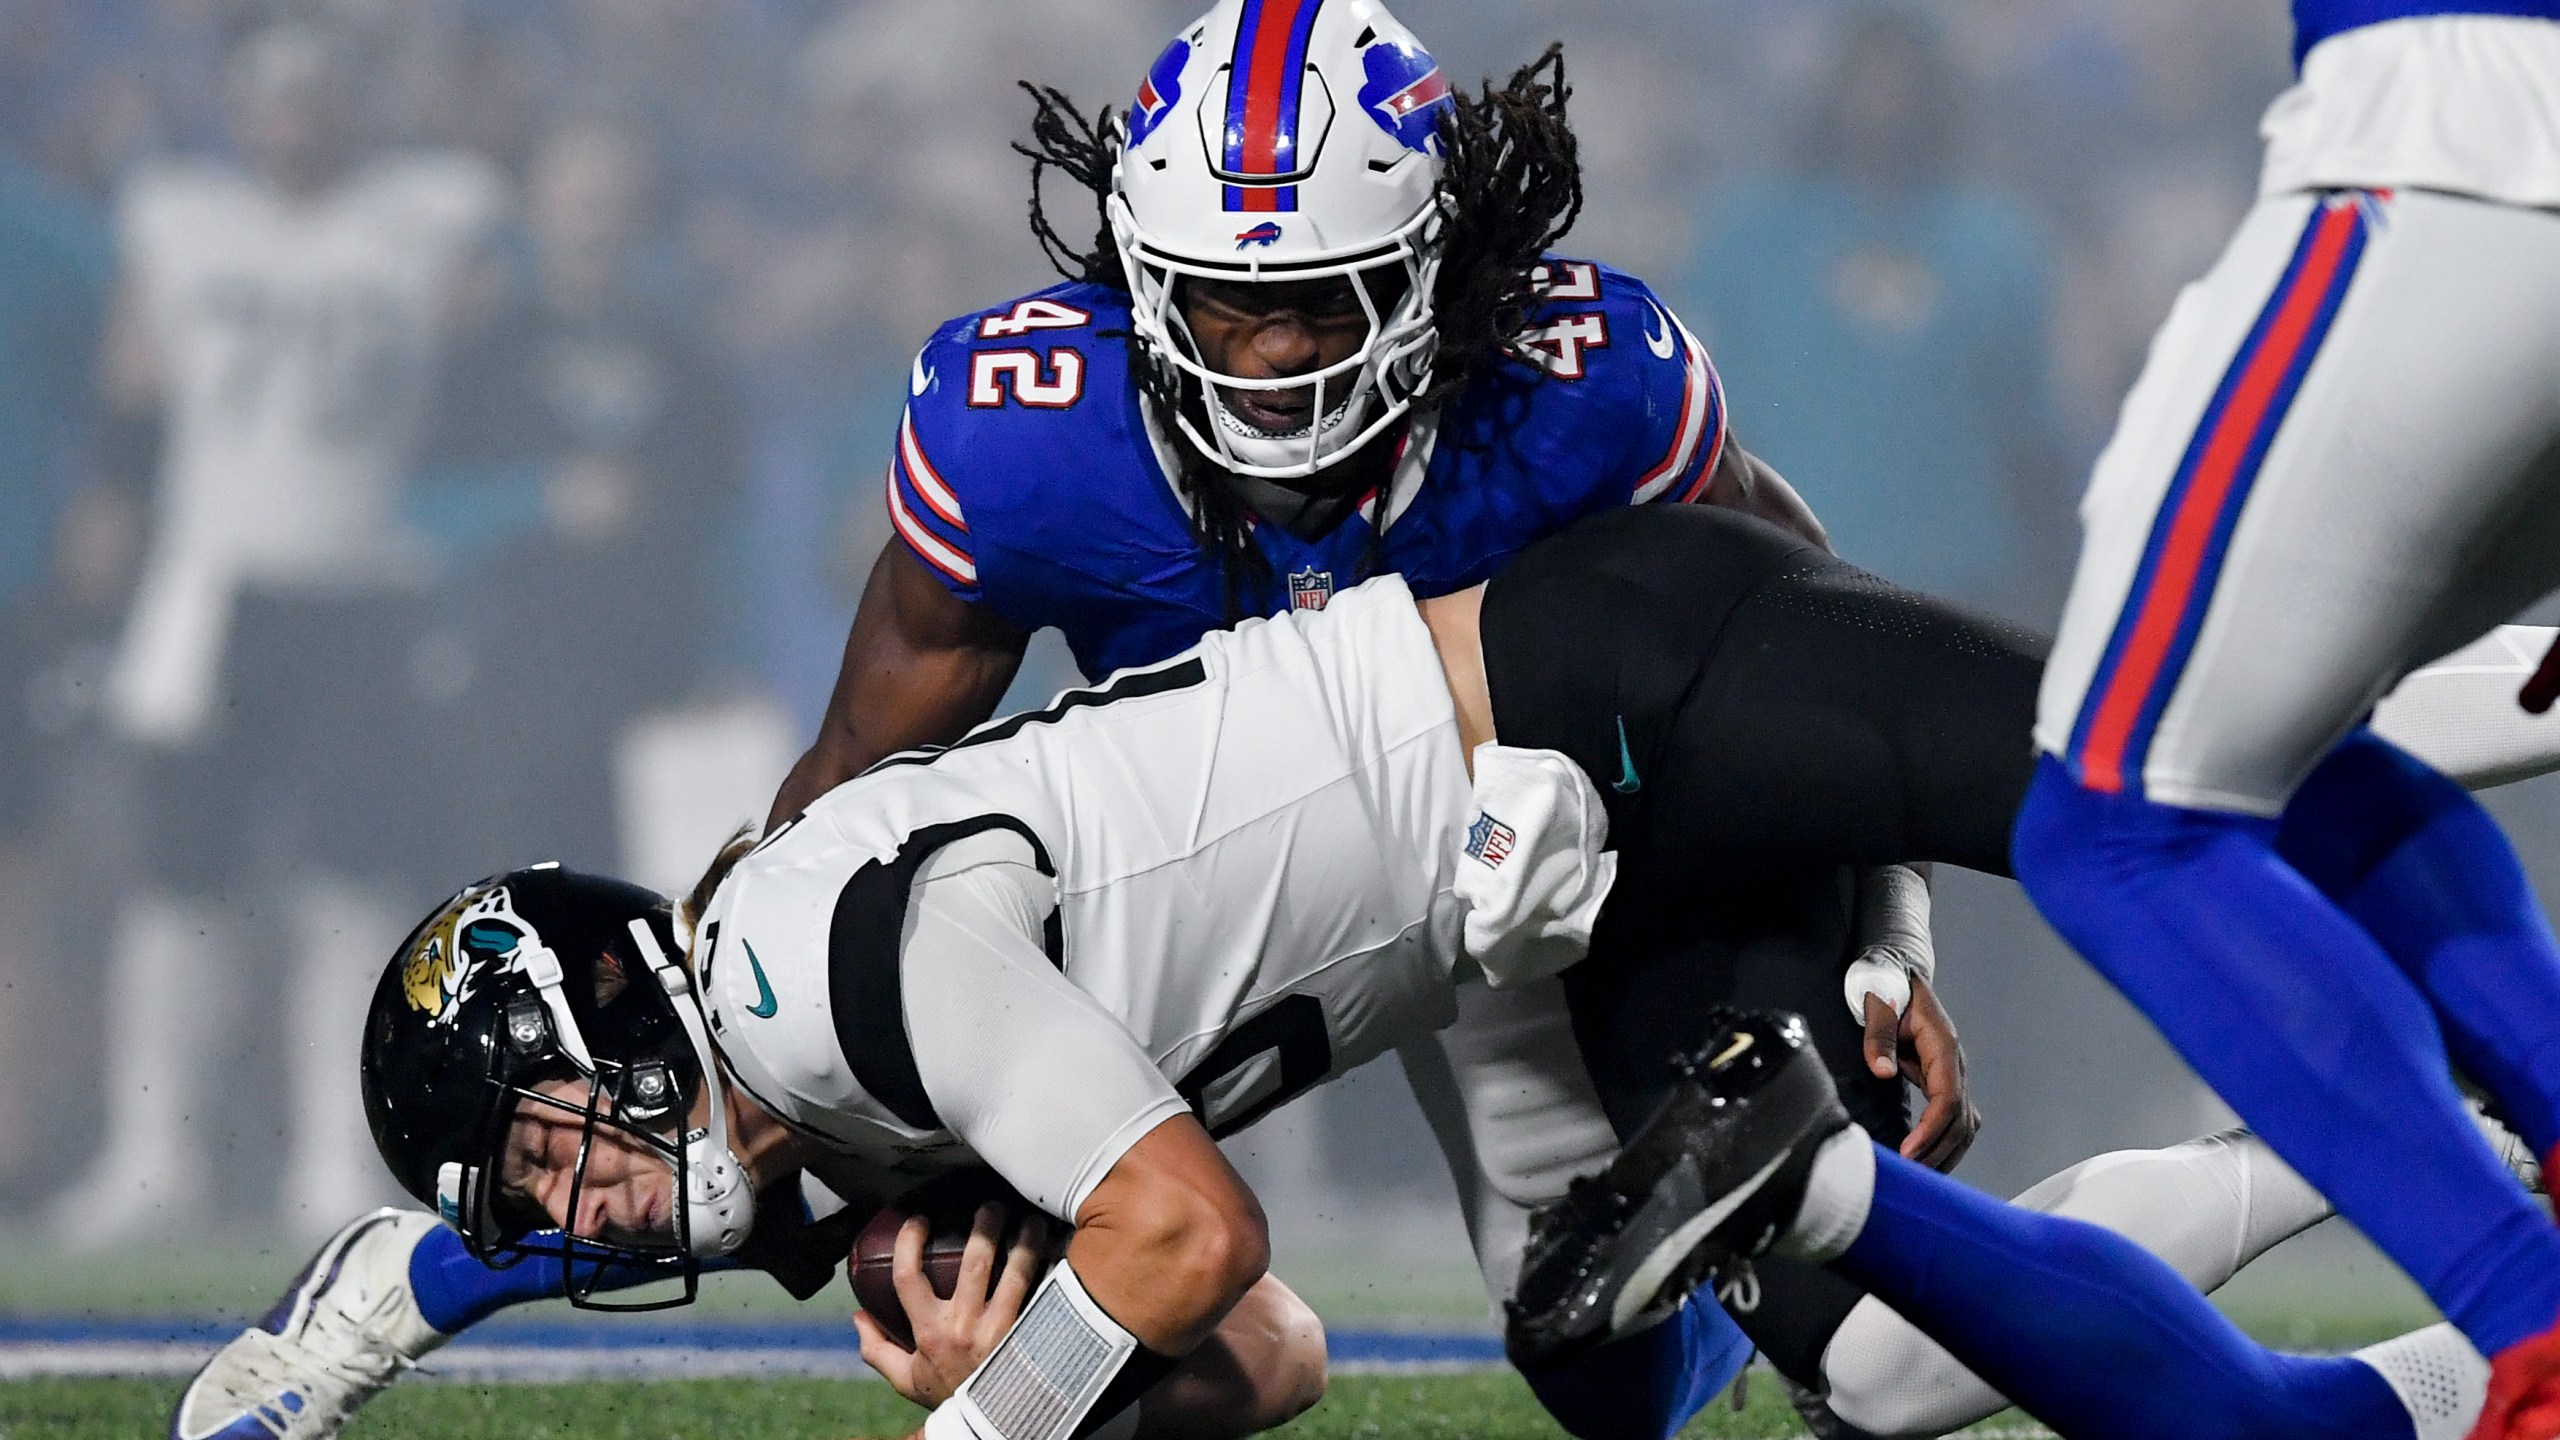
(866, 992)
(1127, 685)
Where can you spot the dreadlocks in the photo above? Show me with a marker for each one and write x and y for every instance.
(1083, 148)
(1510, 187)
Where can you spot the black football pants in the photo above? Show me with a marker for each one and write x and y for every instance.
(1761, 718)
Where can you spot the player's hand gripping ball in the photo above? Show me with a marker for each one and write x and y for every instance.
(949, 1205)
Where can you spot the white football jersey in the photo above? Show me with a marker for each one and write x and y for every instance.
(2464, 103)
(1251, 846)
(297, 336)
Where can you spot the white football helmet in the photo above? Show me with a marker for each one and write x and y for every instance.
(1287, 140)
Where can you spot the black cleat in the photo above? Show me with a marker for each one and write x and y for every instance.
(1715, 1174)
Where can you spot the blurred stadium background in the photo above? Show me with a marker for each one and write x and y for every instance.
(628, 434)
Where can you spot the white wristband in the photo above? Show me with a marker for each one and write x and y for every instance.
(1893, 939)
(948, 1423)
(1046, 1372)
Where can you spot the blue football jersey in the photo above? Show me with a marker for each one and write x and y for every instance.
(2317, 20)
(1026, 477)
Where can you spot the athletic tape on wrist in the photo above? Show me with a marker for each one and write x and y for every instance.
(1065, 1369)
(1893, 939)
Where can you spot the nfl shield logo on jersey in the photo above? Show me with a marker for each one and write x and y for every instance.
(1310, 588)
(1490, 841)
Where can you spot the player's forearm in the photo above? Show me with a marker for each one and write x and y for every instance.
(929, 700)
(1171, 1239)
(920, 667)
(1171, 1275)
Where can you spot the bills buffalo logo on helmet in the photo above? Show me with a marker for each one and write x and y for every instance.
(1406, 93)
(1265, 234)
(445, 964)
(1158, 92)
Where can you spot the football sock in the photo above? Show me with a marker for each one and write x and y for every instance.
(455, 1290)
(2439, 1378)
(2091, 1333)
(1646, 1386)
(2415, 861)
(2299, 1019)
(2206, 1207)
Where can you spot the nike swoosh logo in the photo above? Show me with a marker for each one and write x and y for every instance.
(1626, 783)
(1659, 344)
(920, 377)
(765, 1003)
(1646, 1281)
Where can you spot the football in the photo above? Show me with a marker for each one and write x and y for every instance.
(947, 1202)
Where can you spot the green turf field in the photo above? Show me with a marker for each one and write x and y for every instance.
(1452, 1407)
(2326, 1291)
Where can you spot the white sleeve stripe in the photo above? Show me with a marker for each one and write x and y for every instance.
(1723, 432)
(1693, 417)
(927, 545)
(927, 481)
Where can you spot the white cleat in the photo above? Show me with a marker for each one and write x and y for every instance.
(2512, 1151)
(347, 1327)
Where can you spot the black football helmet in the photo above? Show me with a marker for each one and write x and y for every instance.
(536, 975)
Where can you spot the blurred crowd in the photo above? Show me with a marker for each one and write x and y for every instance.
(427, 426)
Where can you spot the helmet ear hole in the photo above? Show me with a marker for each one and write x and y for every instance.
(528, 1029)
(648, 1094)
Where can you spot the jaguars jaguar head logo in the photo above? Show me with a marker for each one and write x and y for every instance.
(480, 929)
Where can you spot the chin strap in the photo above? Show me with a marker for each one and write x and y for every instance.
(719, 1195)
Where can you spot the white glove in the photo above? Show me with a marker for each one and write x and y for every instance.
(1533, 872)
(1893, 939)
